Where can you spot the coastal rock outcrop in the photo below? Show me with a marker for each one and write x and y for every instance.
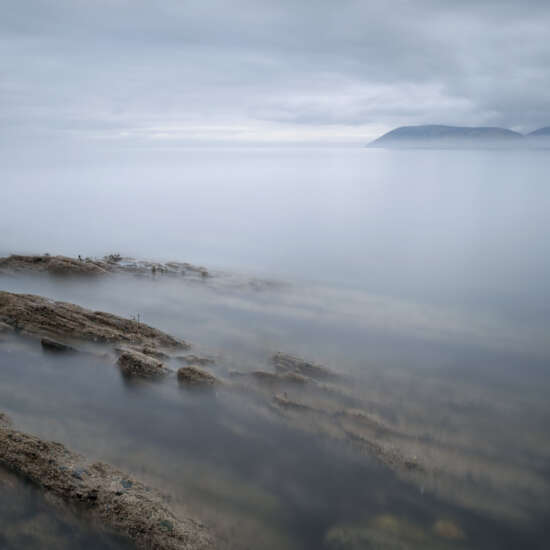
(58, 265)
(40, 316)
(115, 498)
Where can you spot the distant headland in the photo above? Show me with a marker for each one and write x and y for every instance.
(450, 137)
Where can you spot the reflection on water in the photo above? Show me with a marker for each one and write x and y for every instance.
(29, 522)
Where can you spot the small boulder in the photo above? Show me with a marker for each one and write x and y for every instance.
(134, 364)
(195, 376)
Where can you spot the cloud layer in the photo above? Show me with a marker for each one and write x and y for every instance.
(269, 71)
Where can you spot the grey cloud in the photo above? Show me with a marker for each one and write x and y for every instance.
(118, 67)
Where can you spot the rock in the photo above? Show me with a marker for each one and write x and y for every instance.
(38, 315)
(106, 494)
(52, 345)
(195, 376)
(448, 529)
(195, 360)
(289, 363)
(58, 265)
(134, 364)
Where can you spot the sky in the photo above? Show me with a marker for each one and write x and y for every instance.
(277, 71)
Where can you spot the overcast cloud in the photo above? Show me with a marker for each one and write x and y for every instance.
(268, 71)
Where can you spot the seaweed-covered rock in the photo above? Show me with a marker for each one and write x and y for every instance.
(289, 363)
(134, 364)
(195, 376)
(113, 497)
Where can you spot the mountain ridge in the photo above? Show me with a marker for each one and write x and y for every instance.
(439, 134)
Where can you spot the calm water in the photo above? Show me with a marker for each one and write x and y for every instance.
(423, 274)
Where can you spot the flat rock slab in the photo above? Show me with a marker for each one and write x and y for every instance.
(38, 315)
(118, 500)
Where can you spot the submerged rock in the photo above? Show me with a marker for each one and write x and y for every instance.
(134, 364)
(191, 359)
(52, 345)
(38, 315)
(115, 498)
(195, 376)
(289, 363)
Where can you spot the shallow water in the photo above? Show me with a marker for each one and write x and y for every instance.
(422, 275)
(217, 457)
(29, 522)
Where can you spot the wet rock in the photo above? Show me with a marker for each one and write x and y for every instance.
(52, 345)
(191, 359)
(134, 364)
(114, 498)
(288, 363)
(195, 376)
(38, 315)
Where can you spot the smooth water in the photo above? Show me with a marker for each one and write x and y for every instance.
(422, 274)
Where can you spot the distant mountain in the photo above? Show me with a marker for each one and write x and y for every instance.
(541, 132)
(436, 135)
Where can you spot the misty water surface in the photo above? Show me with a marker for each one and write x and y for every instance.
(411, 270)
